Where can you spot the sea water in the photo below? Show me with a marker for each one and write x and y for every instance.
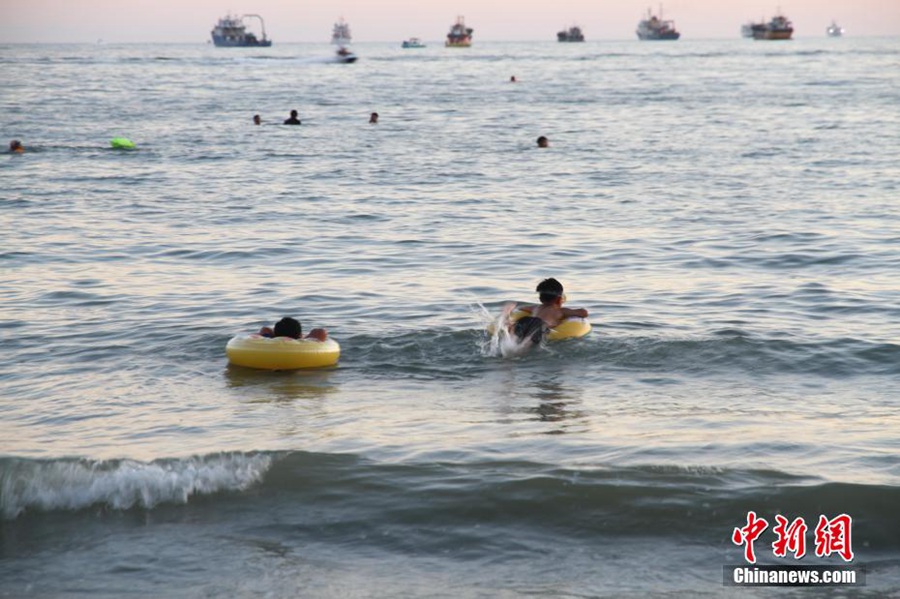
(726, 210)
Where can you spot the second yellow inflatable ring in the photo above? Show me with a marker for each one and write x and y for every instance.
(281, 353)
(570, 328)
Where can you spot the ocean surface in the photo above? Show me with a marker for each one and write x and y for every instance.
(726, 210)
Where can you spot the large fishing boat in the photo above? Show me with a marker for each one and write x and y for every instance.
(230, 31)
(460, 36)
(656, 28)
(779, 28)
(572, 34)
(340, 34)
(834, 30)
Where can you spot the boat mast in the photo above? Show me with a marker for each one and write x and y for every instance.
(261, 23)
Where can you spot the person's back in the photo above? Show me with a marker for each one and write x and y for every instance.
(293, 120)
(551, 314)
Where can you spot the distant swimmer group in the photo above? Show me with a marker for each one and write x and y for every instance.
(295, 120)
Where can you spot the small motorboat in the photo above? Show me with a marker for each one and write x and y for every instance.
(345, 56)
(413, 42)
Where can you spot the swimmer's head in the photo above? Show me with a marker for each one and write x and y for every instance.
(543, 142)
(16, 146)
(550, 291)
(373, 118)
(256, 119)
(288, 327)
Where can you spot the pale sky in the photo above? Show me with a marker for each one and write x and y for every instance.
(190, 21)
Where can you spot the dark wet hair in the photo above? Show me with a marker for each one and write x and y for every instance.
(550, 289)
(288, 327)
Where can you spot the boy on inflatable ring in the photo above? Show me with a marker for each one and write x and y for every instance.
(543, 317)
(291, 327)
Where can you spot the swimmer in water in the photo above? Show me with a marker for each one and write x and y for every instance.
(373, 118)
(290, 327)
(16, 147)
(257, 120)
(546, 315)
(293, 120)
(543, 142)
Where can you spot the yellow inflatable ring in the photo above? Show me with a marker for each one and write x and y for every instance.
(570, 328)
(281, 353)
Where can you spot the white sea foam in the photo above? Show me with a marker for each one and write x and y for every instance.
(499, 342)
(123, 484)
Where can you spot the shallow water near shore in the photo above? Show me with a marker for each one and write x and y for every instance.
(733, 233)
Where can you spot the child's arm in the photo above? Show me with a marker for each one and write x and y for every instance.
(577, 312)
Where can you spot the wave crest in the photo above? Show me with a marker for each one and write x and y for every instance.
(75, 484)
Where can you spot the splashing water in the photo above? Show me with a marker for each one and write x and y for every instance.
(499, 342)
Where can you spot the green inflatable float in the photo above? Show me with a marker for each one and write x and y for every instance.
(122, 143)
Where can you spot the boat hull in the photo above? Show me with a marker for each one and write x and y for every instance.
(654, 37)
(773, 35)
(227, 43)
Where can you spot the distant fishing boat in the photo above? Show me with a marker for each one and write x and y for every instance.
(340, 33)
(656, 28)
(413, 42)
(572, 34)
(230, 32)
(778, 28)
(834, 30)
(460, 36)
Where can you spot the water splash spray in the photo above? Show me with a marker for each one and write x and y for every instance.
(499, 341)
